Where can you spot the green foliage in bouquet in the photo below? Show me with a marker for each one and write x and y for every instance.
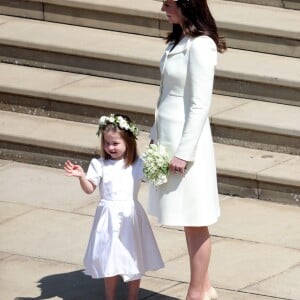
(156, 164)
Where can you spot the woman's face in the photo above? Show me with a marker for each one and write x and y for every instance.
(172, 11)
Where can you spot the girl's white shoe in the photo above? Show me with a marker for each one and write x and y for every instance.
(212, 293)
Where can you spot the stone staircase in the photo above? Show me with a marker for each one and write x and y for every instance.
(292, 4)
(64, 63)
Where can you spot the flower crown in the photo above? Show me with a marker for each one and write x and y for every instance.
(119, 122)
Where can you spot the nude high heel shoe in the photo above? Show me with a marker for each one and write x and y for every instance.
(212, 293)
(207, 296)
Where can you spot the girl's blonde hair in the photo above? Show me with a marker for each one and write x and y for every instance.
(129, 138)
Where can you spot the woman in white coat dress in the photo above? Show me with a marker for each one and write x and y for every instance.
(190, 197)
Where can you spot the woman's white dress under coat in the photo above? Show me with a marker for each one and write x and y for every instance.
(182, 126)
(121, 240)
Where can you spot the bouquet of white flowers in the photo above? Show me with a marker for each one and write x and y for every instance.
(156, 164)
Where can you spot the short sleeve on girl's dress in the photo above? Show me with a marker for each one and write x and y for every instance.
(94, 172)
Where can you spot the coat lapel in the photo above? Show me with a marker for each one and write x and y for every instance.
(180, 47)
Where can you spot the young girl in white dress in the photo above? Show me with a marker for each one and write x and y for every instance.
(121, 241)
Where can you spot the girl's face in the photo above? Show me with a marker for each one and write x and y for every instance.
(172, 11)
(114, 145)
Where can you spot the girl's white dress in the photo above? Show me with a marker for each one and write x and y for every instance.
(121, 240)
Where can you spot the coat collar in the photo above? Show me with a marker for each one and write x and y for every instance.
(180, 47)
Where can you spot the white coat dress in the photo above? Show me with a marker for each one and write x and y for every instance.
(182, 126)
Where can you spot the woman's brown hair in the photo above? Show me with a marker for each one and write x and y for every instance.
(197, 20)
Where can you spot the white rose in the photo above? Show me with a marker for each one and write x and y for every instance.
(111, 119)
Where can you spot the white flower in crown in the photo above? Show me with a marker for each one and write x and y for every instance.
(122, 123)
(111, 119)
(102, 120)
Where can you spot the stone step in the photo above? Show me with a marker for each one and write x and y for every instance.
(241, 171)
(259, 33)
(56, 94)
(131, 57)
(289, 4)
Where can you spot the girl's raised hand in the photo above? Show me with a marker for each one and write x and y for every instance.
(73, 170)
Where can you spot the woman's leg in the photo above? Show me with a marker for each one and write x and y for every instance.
(133, 289)
(110, 285)
(199, 248)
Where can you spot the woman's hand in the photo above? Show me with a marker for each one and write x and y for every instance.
(73, 170)
(177, 165)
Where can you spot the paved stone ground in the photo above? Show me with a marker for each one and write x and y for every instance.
(45, 222)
